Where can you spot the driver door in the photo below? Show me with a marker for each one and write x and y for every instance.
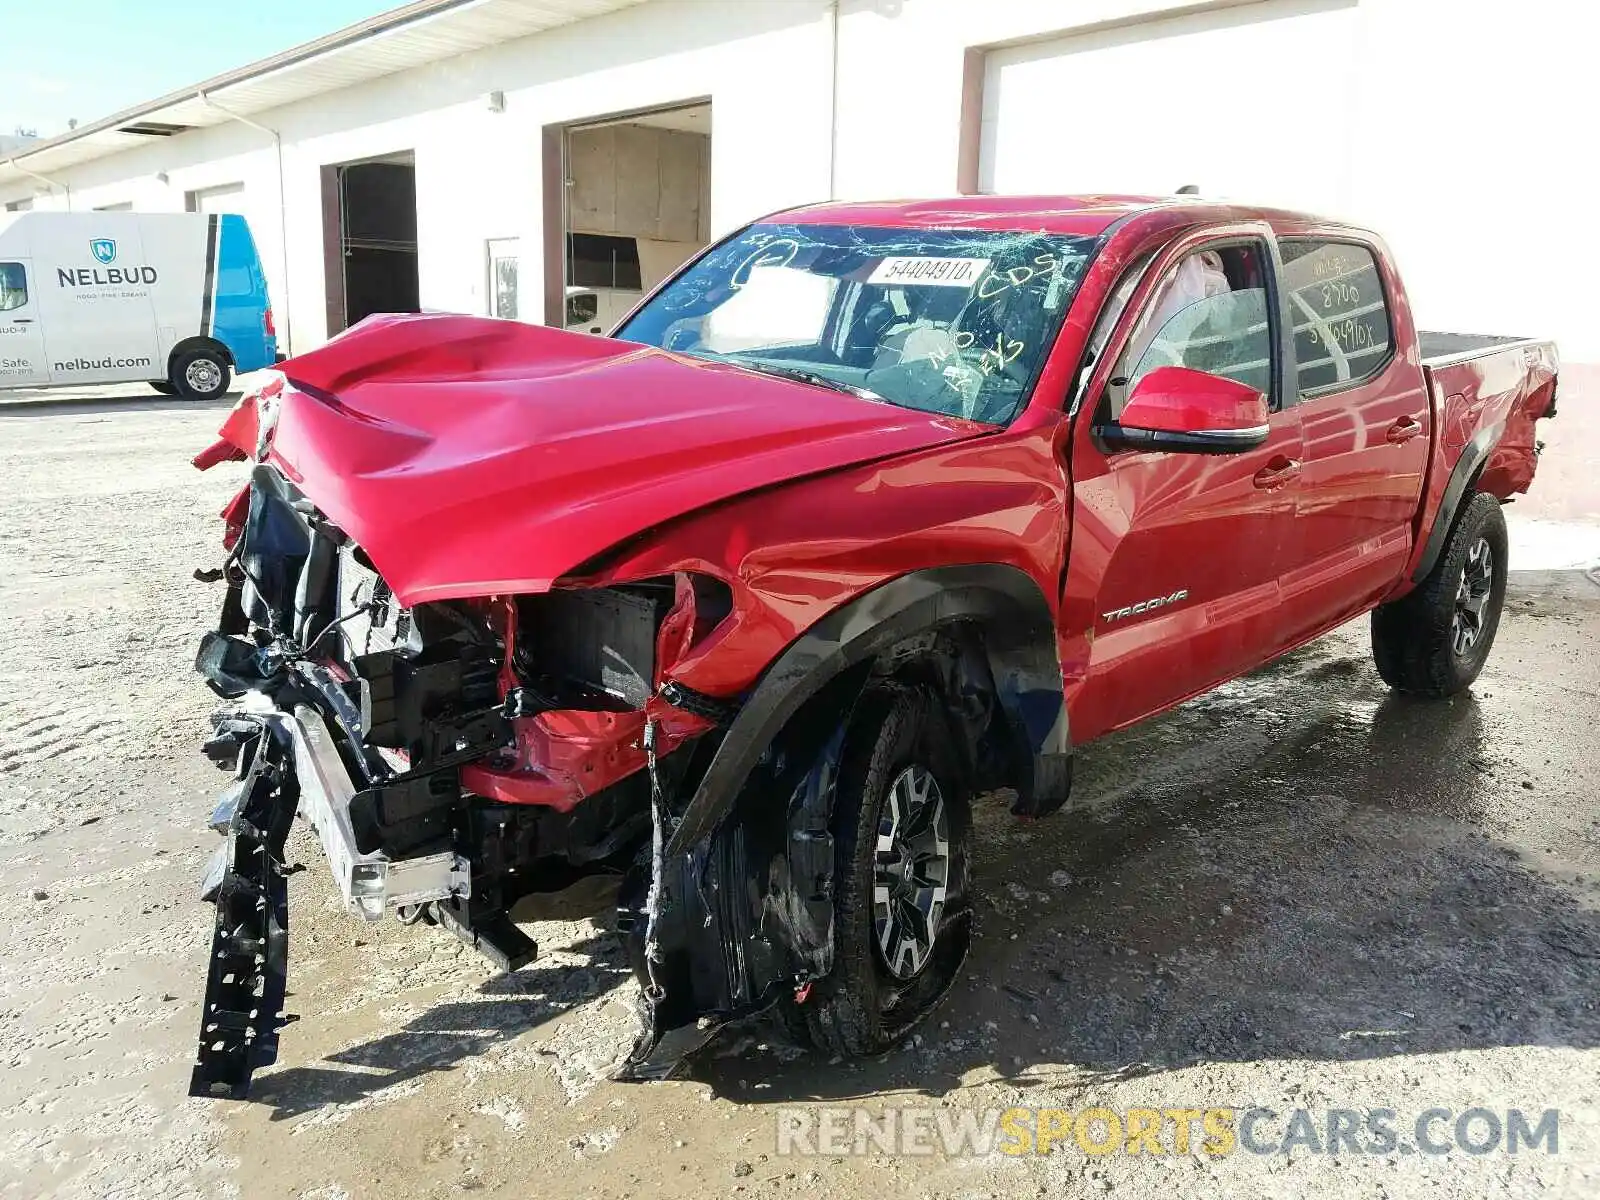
(1175, 556)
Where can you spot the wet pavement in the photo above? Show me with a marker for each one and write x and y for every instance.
(1299, 890)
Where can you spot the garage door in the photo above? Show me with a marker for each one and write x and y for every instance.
(1252, 103)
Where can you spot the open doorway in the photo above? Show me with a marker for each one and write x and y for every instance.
(633, 205)
(369, 211)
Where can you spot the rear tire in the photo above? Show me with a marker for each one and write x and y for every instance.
(201, 374)
(1434, 640)
(162, 386)
(902, 822)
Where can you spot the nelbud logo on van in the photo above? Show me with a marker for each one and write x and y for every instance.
(105, 252)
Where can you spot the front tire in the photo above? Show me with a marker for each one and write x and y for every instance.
(162, 386)
(201, 374)
(902, 920)
(1434, 640)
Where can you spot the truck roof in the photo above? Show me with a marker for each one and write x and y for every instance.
(1085, 215)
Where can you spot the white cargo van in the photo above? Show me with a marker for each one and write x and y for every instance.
(175, 299)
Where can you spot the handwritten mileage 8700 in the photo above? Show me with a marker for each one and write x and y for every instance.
(1340, 295)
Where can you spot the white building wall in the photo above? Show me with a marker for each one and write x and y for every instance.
(1465, 128)
(764, 66)
(1477, 161)
(478, 172)
(900, 81)
(1460, 131)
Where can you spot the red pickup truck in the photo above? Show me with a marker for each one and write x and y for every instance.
(725, 619)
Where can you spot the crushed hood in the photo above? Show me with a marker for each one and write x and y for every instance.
(470, 456)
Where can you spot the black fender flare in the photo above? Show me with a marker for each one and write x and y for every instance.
(1021, 649)
(1473, 455)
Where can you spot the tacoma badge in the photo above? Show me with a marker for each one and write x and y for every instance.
(1145, 606)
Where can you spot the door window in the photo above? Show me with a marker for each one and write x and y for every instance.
(1208, 314)
(13, 286)
(1339, 313)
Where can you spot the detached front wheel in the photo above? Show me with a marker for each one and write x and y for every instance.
(902, 919)
(1434, 640)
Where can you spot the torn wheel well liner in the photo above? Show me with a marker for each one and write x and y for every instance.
(1002, 603)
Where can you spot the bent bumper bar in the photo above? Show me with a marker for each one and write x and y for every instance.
(288, 765)
(369, 882)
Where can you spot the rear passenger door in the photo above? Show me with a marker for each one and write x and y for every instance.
(1364, 417)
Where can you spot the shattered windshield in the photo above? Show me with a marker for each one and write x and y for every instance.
(944, 321)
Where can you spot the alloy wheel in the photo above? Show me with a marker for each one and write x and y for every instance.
(1472, 598)
(911, 871)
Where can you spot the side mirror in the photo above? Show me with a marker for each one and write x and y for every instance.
(1181, 409)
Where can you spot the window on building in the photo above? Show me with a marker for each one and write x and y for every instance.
(602, 261)
(1339, 313)
(19, 205)
(122, 206)
(13, 286)
(225, 198)
(504, 254)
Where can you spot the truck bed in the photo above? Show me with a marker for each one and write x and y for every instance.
(1489, 389)
(1447, 347)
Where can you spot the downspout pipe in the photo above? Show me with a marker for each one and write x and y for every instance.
(44, 179)
(833, 104)
(283, 208)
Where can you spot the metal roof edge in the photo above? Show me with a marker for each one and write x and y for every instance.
(350, 35)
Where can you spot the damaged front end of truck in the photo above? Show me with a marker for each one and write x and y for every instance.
(455, 758)
(422, 652)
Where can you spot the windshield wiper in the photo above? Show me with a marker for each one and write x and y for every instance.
(801, 375)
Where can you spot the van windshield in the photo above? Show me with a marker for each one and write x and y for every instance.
(946, 321)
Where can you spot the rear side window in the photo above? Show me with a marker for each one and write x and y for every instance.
(1338, 311)
(13, 286)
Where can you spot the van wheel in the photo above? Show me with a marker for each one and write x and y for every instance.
(200, 374)
(1433, 641)
(162, 386)
(902, 917)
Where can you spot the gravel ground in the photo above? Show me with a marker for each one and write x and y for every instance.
(1296, 892)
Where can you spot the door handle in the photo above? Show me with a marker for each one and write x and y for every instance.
(1403, 430)
(1277, 472)
(22, 320)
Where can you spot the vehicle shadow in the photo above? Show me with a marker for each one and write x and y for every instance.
(1332, 889)
(446, 1035)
